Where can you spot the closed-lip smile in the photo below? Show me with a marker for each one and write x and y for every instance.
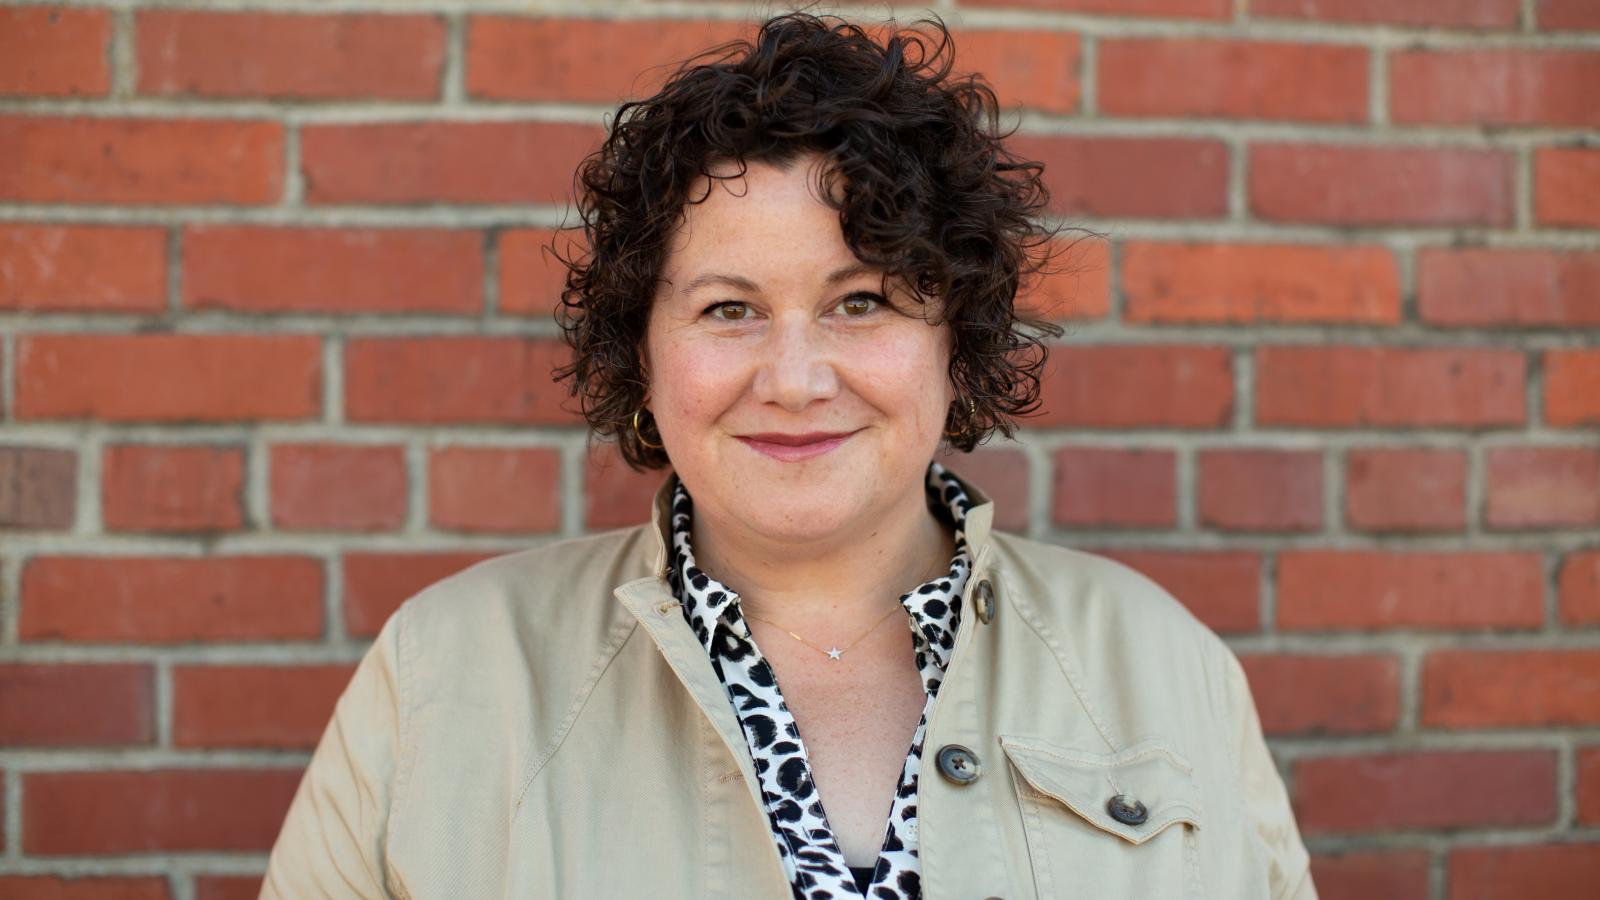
(794, 447)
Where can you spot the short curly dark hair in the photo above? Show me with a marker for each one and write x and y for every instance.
(928, 193)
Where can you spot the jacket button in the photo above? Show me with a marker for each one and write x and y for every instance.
(959, 764)
(1128, 812)
(983, 599)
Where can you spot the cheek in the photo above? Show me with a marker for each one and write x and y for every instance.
(908, 377)
(692, 383)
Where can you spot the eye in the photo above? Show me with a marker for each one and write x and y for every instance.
(859, 304)
(736, 310)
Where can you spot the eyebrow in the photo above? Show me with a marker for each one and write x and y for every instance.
(842, 274)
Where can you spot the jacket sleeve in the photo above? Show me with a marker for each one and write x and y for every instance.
(332, 843)
(1266, 799)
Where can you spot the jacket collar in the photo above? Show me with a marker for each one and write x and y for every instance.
(979, 519)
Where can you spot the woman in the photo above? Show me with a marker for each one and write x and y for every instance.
(817, 672)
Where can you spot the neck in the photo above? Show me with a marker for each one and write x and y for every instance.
(833, 589)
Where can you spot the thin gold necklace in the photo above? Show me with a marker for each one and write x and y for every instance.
(833, 653)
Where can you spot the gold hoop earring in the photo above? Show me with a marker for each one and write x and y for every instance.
(972, 411)
(640, 435)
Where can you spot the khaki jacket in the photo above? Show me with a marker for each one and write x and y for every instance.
(544, 724)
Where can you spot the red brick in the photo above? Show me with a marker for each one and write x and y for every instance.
(1575, 15)
(82, 268)
(1178, 9)
(1324, 694)
(1390, 387)
(375, 584)
(106, 159)
(494, 489)
(254, 706)
(1346, 589)
(1579, 586)
(443, 162)
(85, 887)
(1453, 13)
(289, 55)
(1075, 285)
(615, 496)
(38, 487)
(1033, 68)
(1261, 490)
(339, 487)
(168, 377)
(1494, 87)
(1405, 489)
(1136, 386)
(531, 278)
(171, 599)
(1550, 872)
(1483, 286)
(1222, 588)
(1481, 689)
(554, 58)
(50, 51)
(332, 270)
(502, 380)
(162, 488)
(1193, 282)
(1131, 177)
(1589, 785)
(227, 887)
(1566, 186)
(1572, 387)
(1424, 790)
(1380, 185)
(158, 810)
(76, 704)
(1542, 487)
(1107, 486)
(1372, 875)
(1002, 474)
(1232, 79)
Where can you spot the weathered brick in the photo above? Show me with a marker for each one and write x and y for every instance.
(332, 270)
(1494, 86)
(38, 487)
(1372, 875)
(170, 599)
(81, 812)
(1542, 487)
(1075, 285)
(82, 268)
(494, 489)
(289, 55)
(1178, 9)
(227, 887)
(54, 51)
(531, 278)
(1579, 586)
(338, 487)
(1405, 489)
(1574, 15)
(1566, 186)
(1108, 486)
(1549, 872)
(502, 380)
(1000, 472)
(1136, 386)
(375, 584)
(1346, 589)
(1414, 790)
(1502, 688)
(1221, 587)
(615, 496)
(76, 704)
(1324, 694)
(146, 487)
(1452, 13)
(1589, 785)
(1184, 76)
(1380, 185)
(168, 377)
(1030, 67)
(254, 705)
(1391, 387)
(1249, 489)
(1133, 177)
(1572, 387)
(1484, 286)
(443, 162)
(108, 159)
(85, 887)
(1193, 282)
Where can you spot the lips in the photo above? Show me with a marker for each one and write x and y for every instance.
(795, 447)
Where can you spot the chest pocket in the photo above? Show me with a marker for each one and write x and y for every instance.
(1108, 825)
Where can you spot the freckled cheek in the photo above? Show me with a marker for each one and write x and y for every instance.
(904, 377)
(695, 385)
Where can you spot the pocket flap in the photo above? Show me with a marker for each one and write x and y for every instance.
(1149, 772)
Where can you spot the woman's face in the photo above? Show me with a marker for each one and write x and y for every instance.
(767, 331)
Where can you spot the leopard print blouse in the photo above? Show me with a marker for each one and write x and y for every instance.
(811, 856)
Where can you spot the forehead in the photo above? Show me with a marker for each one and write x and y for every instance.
(770, 216)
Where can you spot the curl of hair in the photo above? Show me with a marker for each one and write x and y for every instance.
(924, 186)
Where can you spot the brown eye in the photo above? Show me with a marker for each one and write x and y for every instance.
(857, 305)
(735, 310)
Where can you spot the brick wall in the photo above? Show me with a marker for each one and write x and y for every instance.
(277, 335)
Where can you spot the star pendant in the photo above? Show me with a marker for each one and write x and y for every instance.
(834, 653)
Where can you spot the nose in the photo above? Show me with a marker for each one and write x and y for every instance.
(797, 366)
